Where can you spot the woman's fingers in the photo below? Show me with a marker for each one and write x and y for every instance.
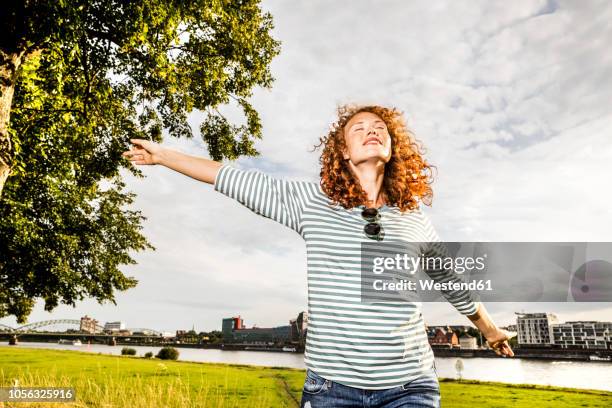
(129, 153)
(138, 156)
(502, 349)
(139, 142)
(142, 152)
(134, 152)
(494, 345)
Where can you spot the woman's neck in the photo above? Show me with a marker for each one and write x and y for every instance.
(371, 178)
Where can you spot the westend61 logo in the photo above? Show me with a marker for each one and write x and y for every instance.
(487, 271)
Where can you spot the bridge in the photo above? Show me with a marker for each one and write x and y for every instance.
(30, 327)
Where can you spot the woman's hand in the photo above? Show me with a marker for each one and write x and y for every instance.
(498, 341)
(497, 338)
(148, 152)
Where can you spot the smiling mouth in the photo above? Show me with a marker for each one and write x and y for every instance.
(372, 140)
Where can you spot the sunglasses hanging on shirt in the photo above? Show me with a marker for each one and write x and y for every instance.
(373, 229)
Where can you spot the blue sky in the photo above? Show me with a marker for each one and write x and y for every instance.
(512, 102)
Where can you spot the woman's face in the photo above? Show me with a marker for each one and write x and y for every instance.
(367, 139)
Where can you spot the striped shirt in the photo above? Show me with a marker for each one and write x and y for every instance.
(375, 345)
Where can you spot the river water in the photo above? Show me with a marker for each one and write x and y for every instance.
(575, 374)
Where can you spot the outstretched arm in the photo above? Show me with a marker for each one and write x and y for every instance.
(148, 152)
(280, 200)
(463, 300)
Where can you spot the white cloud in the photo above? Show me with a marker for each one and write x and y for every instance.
(511, 100)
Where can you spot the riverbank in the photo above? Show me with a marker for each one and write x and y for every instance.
(519, 353)
(104, 381)
(530, 353)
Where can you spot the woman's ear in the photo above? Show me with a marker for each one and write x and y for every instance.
(345, 154)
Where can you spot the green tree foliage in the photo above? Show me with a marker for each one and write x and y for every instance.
(168, 353)
(78, 79)
(128, 351)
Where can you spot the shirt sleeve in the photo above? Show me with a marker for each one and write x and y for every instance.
(280, 200)
(463, 300)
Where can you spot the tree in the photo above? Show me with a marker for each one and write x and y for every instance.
(168, 353)
(128, 351)
(78, 79)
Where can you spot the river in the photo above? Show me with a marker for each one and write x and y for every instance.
(575, 374)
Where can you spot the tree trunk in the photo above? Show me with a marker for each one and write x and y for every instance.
(9, 65)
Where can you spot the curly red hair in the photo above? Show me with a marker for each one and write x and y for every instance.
(408, 177)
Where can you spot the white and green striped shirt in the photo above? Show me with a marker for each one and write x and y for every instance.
(372, 346)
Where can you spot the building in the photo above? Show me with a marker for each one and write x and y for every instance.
(441, 337)
(584, 335)
(262, 335)
(234, 331)
(299, 327)
(535, 329)
(111, 327)
(459, 328)
(228, 326)
(468, 342)
(88, 325)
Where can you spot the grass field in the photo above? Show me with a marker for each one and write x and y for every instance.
(112, 381)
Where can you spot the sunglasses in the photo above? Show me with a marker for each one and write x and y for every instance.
(373, 229)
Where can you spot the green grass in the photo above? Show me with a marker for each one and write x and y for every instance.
(112, 381)
(468, 393)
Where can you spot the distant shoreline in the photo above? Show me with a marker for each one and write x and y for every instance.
(604, 356)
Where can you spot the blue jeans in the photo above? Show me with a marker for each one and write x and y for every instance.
(319, 392)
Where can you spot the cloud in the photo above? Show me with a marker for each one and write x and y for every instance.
(511, 101)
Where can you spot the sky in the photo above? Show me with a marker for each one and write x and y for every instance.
(511, 100)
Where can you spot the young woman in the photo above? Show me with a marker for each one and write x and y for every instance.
(373, 177)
